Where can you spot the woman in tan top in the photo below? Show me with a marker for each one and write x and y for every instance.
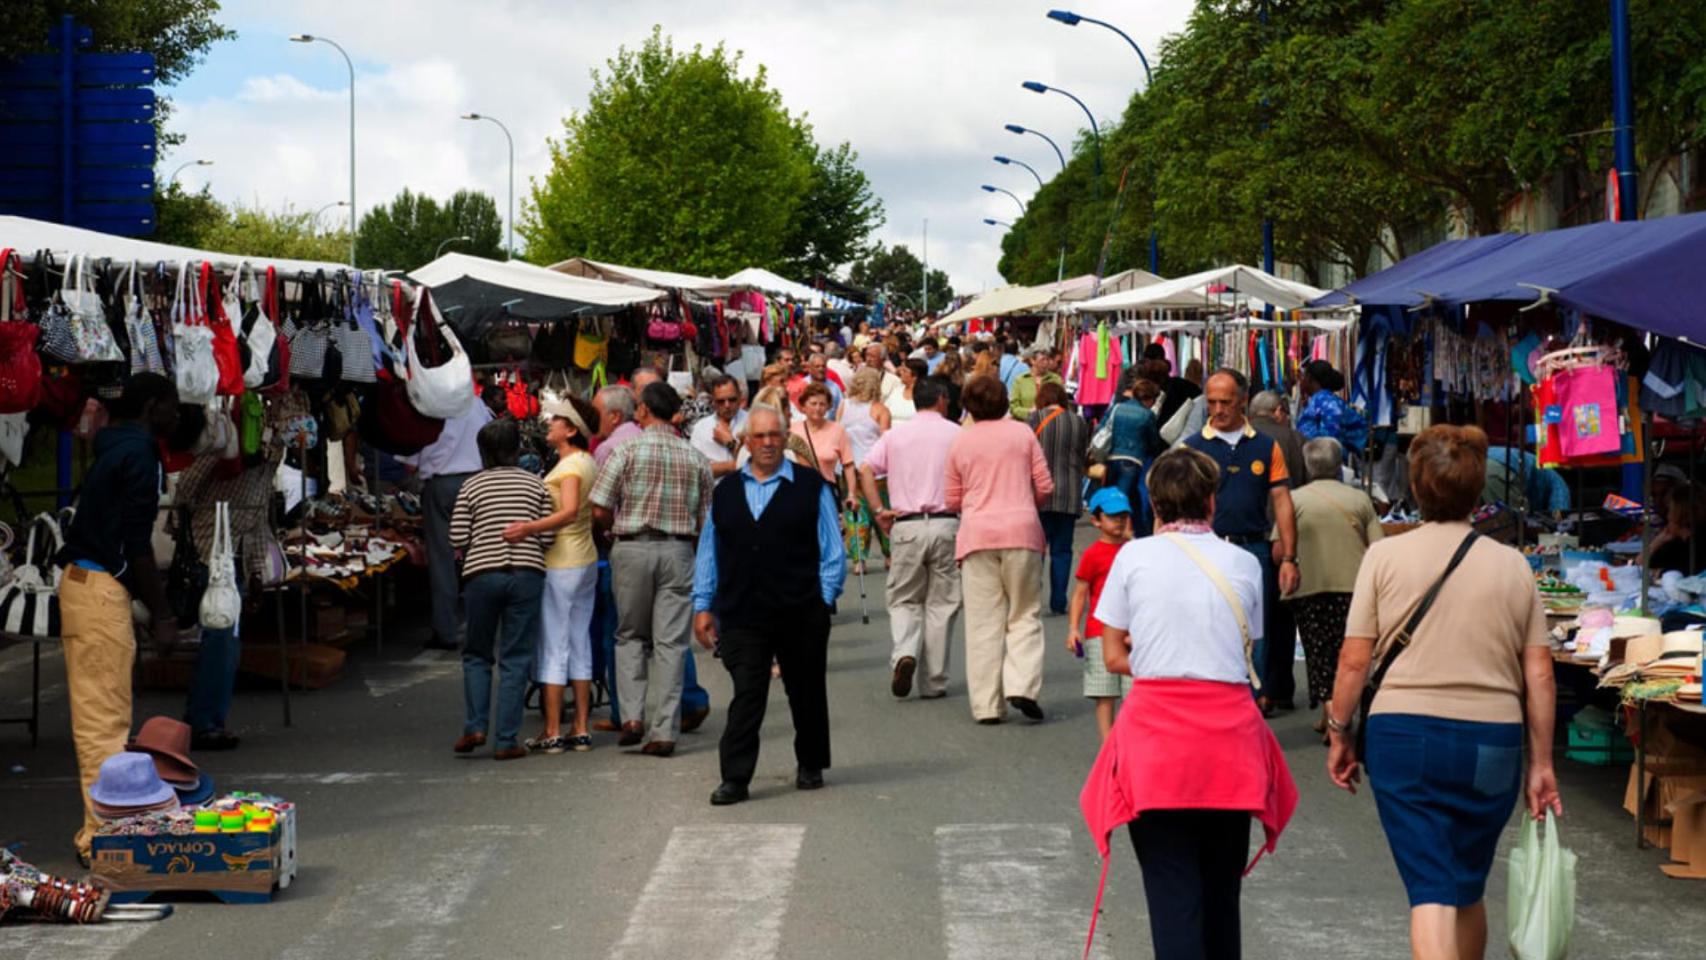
(1336, 523)
(1445, 739)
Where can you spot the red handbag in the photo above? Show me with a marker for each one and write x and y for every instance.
(20, 365)
(389, 422)
(277, 382)
(225, 351)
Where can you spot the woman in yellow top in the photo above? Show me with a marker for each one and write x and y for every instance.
(563, 652)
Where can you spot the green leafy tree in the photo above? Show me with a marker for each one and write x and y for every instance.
(288, 234)
(408, 232)
(896, 269)
(185, 218)
(679, 162)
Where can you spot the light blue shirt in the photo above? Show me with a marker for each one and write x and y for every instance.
(832, 556)
(931, 363)
(1011, 368)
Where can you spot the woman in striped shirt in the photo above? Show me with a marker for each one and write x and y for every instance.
(502, 584)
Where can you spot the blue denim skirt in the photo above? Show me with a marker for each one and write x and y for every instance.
(1445, 790)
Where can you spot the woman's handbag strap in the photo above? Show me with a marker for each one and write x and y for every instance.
(1219, 580)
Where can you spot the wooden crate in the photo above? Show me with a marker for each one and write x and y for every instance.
(312, 666)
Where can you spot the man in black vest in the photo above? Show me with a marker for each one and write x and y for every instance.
(770, 563)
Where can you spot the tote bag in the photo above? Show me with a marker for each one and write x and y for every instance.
(1586, 398)
(220, 604)
(257, 336)
(20, 366)
(226, 356)
(29, 601)
(194, 367)
(447, 390)
(79, 320)
(145, 356)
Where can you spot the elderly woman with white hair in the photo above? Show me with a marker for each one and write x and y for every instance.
(1335, 524)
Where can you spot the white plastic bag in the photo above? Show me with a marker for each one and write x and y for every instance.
(1542, 906)
(220, 604)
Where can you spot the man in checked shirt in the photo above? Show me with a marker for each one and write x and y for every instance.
(652, 494)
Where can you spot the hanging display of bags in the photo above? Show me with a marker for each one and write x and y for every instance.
(193, 366)
(220, 604)
(75, 327)
(389, 420)
(442, 391)
(313, 354)
(355, 347)
(592, 345)
(20, 366)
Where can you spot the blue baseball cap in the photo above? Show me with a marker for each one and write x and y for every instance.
(1110, 501)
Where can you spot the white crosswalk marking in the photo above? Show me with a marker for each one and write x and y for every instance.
(416, 911)
(717, 893)
(1012, 890)
(53, 941)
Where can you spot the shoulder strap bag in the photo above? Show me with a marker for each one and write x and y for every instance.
(1219, 580)
(1401, 642)
(1048, 420)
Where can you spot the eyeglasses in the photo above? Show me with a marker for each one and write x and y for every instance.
(723, 400)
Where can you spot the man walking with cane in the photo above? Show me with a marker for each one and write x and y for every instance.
(924, 579)
(770, 563)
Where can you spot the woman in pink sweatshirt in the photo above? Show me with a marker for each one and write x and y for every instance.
(995, 477)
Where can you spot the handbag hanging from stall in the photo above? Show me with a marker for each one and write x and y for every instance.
(29, 600)
(256, 334)
(508, 342)
(663, 324)
(194, 367)
(554, 345)
(314, 354)
(145, 356)
(389, 420)
(75, 327)
(592, 345)
(20, 366)
(447, 389)
(355, 347)
(225, 353)
(220, 605)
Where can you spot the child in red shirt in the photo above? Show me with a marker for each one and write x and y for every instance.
(1111, 512)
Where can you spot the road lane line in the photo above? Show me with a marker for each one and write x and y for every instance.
(58, 941)
(417, 911)
(718, 892)
(1012, 890)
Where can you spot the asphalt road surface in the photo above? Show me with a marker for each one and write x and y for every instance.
(934, 838)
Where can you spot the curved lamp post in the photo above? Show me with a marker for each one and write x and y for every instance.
(447, 242)
(1015, 128)
(1021, 163)
(987, 188)
(185, 165)
(481, 116)
(1071, 19)
(997, 223)
(1095, 131)
(310, 38)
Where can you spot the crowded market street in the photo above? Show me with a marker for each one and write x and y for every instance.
(933, 838)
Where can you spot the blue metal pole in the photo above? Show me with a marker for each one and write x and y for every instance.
(67, 199)
(1154, 251)
(1623, 112)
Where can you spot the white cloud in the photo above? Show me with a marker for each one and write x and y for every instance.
(921, 90)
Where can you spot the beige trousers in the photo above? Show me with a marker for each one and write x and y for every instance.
(100, 649)
(924, 597)
(1004, 628)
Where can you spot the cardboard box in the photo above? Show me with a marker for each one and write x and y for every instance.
(235, 867)
(1688, 833)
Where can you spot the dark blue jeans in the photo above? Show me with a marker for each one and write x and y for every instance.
(215, 676)
(693, 696)
(1127, 477)
(1057, 529)
(503, 622)
(1275, 669)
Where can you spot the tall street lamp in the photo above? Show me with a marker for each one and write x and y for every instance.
(334, 203)
(309, 38)
(997, 223)
(481, 116)
(1071, 19)
(447, 242)
(987, 188)
(1095, 132)
(1020, 163)
(1015, 128)
(188, 163)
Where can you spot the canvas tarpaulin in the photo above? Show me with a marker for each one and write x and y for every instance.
(473, 291)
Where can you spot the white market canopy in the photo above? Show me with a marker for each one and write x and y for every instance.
(1074, 289)
(482, 289)
(771, 283)
(27, 236)
(1210, 289)
(1016, 301)
(707, 287)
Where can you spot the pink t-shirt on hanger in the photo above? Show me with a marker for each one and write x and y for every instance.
(1094, 390)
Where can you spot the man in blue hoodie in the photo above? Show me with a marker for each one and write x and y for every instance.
(109, 558)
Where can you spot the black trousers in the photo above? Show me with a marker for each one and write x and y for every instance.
(1193, 864)
(1279, 676)
(798, 640)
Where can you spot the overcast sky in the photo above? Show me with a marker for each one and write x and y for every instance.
(921, 88)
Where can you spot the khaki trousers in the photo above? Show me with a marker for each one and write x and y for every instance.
(1004, 628)
(924, 597)
(100, 649)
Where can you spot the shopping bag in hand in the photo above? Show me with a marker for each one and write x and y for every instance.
(1542, 894)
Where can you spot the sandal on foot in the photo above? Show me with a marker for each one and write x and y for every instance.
(580, 743)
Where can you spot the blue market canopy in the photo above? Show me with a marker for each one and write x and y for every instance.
(1648, 274)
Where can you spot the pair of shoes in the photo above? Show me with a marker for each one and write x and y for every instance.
(580, 743)
(551, 745)
(900, 684)
(510, 753)
(659, 748)
(468, 742)
(1028, 707)
(606, 726)
(806, 778)
(692, 721)
(632, 732)
(728, 794)
(214, 740)
(989, 721)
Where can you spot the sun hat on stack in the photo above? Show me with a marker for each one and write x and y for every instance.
(167, 741)
(128, 785)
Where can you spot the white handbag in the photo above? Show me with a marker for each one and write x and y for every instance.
(29, 600)
(255, 329)
(87, 315)
(445, 391)
(144, 344)
(220, 603)
(221, 437)
(14, 427)
(193, 365)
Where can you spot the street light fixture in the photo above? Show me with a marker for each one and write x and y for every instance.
(1021, 163)
(310, 38)
(997, 223)
(993, 189)
(480, 116)
(189, 163)
(447, 242)
(1015, 128)
(334, 203)
(1071, 19)
(1095, 132)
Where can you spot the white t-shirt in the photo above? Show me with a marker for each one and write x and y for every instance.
(1181, 626)
(704, 442)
